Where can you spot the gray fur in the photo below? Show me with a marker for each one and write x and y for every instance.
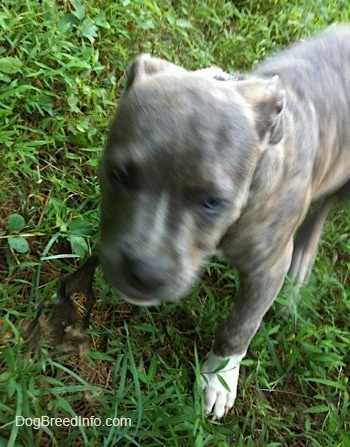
(225, 164)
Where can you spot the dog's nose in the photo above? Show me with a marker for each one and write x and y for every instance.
(144, 276)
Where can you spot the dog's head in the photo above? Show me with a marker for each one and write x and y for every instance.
(176, 172)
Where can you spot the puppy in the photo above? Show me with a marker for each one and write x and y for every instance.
(205, 163)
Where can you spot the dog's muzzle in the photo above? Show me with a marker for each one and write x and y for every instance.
(140, 281)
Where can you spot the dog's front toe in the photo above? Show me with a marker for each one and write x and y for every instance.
(219, 383)
(218, 400)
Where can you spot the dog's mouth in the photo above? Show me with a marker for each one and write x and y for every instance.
(134, 296)
(142, 282)
(141, 300)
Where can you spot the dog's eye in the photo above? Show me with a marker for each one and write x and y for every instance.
(213, 205)
(123, 175)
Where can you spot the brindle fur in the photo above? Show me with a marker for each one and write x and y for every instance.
(203, 163)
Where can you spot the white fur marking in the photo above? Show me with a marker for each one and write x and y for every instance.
(218, 400)
(160, 220)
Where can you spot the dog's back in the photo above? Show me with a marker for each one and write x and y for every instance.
(317, 80)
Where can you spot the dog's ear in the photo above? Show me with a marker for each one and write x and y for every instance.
(267, 99)
(145, 65)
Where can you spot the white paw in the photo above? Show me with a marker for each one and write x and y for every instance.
(220, 384)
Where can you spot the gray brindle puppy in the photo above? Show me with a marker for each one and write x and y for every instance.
(204, 163)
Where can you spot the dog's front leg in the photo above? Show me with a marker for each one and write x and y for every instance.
(220, 370)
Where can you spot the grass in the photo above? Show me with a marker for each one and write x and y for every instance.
(61, 71)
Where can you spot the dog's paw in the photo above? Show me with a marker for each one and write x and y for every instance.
(219, 379)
